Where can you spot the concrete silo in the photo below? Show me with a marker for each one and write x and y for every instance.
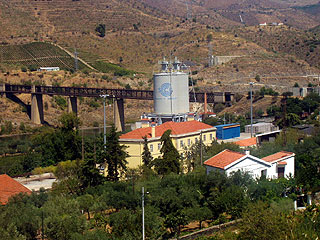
(171, 91)
(170, 94)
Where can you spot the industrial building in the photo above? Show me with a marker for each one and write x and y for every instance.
(228, 131)
(48, 69)
(262, 127)
(183, 136)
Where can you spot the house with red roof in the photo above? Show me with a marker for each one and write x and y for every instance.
(249, 142)
(277, 165)
(10, 187)
(183, 136)
(282, 164)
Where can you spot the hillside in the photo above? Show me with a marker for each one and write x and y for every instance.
(304, 45)
(139, 33)
(37, 54)
(252, 12)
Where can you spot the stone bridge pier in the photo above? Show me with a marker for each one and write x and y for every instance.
(73, 105)
(36, 107)
(118, 114)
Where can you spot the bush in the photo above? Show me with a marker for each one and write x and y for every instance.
(101, 30)
(42, 170)
(106, 67)
(218, 107)
(32, 68)
(94, 104)
(7, 128)
(22, 127)
(61, 101)
(127, 86)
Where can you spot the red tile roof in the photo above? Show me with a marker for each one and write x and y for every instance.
(282, 163)
(10, 187)
(247, 142)
(277, 156)
(177, 128)
(223, 159)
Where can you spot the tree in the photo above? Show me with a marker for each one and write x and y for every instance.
(146, 154)
(101, 30)
(170, 160)
(63, 218)
(85, 203)
(261, 222)
(114, 156)
(16, 215)
(62, 144)
(90, 176)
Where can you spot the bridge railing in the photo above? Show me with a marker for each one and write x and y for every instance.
(215, 97)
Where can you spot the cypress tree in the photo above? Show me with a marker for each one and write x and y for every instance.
(146, 154)
(170, 160)
(115, 156)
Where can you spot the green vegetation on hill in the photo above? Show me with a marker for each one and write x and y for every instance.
(37, 54)
(106, 67)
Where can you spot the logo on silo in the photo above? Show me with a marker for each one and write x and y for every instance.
(166, 90)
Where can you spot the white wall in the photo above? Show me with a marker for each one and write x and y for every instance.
(254, 168)
(248, 165)
(288, 169)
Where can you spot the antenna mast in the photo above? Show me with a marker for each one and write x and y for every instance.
(75, 60)
(210, 57)
(189, 10)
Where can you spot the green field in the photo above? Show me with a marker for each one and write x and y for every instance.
(37, 54)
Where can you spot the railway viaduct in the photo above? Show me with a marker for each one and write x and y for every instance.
(36, 114)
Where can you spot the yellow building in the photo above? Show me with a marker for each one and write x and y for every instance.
(183, 135)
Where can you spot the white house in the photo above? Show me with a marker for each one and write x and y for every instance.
(48, 69)
(280, 164)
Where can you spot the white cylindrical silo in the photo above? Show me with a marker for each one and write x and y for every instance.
(171, 93)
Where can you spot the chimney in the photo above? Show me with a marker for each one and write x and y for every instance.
(247, 152)
(153, 130)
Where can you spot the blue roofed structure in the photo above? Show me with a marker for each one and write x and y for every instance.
(228, 131)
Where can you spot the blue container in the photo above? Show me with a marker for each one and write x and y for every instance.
(227, 131)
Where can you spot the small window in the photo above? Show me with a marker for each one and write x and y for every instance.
(196, 140)
(159, 146)
(264, 172)
(151, 147)
(189, 142)
(210, 136)
(181, 143)
(204, 137)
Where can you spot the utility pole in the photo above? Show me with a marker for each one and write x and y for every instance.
(82, 145)
(104, 96)
(42, 225)
(251, 84)
(76, 68)
(142, 198)
(201, 153)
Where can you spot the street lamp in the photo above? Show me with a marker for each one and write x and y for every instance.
(251, 84)
(104, 96)
(142, 200)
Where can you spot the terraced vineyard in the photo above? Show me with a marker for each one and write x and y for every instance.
(37, 54)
